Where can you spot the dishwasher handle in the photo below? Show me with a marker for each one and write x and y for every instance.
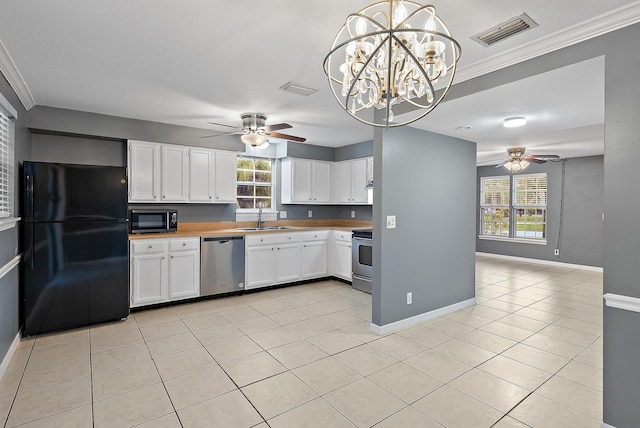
(224, 240)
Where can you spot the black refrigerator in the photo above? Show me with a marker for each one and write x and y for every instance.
(75, 243)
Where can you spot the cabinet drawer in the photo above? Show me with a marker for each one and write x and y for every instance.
(317, 235)
(342, 235)
(272, 238)
(184, 244)
(149, 246)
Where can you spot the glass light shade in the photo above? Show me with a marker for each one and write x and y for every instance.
(514, 122)
(253, 139)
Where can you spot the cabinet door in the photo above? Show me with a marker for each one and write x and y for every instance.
(225, 177)
(149, 279)
(143, 169)
(342, 184)
(314, 259)
(260, 266)
(184, 274)
(287, 262)
(321, 182)
(174, 173)
(201, 175)
(359, 181)
(343, 260)
(301, 181)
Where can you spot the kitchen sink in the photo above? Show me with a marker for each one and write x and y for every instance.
(255, 229)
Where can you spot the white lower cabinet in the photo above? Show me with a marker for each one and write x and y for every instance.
(342, 254)
(163, 270)
(314, 253)
(272, 259)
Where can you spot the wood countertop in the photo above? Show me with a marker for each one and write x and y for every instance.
(230, 228)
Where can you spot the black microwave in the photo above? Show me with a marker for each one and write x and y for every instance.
(153, 221)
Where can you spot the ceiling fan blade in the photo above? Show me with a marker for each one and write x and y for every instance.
(277, 126)
(501, 163)
(535, 160)
(220, 135)
(223, 124)
(545, 156)
(286, 137)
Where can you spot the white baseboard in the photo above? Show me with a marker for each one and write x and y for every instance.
(603, 425)
(7, 358)
(541, 262)
(409, 322)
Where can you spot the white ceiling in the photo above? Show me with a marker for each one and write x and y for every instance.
(193, 61)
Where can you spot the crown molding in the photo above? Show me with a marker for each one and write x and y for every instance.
(13, 76)
(593, 27)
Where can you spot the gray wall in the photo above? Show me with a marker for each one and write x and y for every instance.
(431, 253)
(582, 234)
(621, 233)
(9, 239)
(70, 136)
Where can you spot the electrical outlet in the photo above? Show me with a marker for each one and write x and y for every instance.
(310, 213)
(391, 222)
(353, 214)
(283, 214)
(409, 298)
(556, 251)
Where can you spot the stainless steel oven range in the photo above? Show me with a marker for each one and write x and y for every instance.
(362, 259)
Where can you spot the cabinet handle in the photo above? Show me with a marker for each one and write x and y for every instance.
(210, 197)
(162, 257)
(171, 257)
(184, 243)
(150, 246)
(217, 197)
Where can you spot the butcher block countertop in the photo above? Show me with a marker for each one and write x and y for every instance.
(230, 228)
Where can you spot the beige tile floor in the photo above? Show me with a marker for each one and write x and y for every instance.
(529, 354)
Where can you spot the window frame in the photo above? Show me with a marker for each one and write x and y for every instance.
(513, 207)
(254, 183)
(8, 170)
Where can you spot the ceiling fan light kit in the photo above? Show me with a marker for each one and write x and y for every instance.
(389, 53)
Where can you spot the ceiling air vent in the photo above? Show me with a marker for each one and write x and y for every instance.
(505, 30)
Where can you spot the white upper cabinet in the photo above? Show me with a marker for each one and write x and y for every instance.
(350, 181)
(306, 181)
(174, 173)
(144, 171)
(212, 176)
(225, 176)
(201, 175)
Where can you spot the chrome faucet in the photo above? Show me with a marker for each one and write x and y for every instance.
(260, 215)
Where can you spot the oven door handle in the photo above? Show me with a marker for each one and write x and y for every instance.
(362, 278)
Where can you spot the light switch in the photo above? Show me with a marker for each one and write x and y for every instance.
(283, 214)
(391, 222)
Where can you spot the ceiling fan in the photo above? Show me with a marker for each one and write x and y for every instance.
(517, 159)
(254, 132)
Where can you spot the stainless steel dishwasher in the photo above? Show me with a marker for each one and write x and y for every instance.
(221, 265)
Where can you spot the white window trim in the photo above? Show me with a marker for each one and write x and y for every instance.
(6, 107)
(512, 208)
(267, 212)
(514, 240)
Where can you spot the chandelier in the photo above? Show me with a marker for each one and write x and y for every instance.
(389, 53)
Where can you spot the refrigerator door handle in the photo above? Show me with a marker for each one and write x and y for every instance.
(30, 196)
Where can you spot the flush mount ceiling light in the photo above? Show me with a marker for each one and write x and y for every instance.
(514, 122)
(388, 53)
